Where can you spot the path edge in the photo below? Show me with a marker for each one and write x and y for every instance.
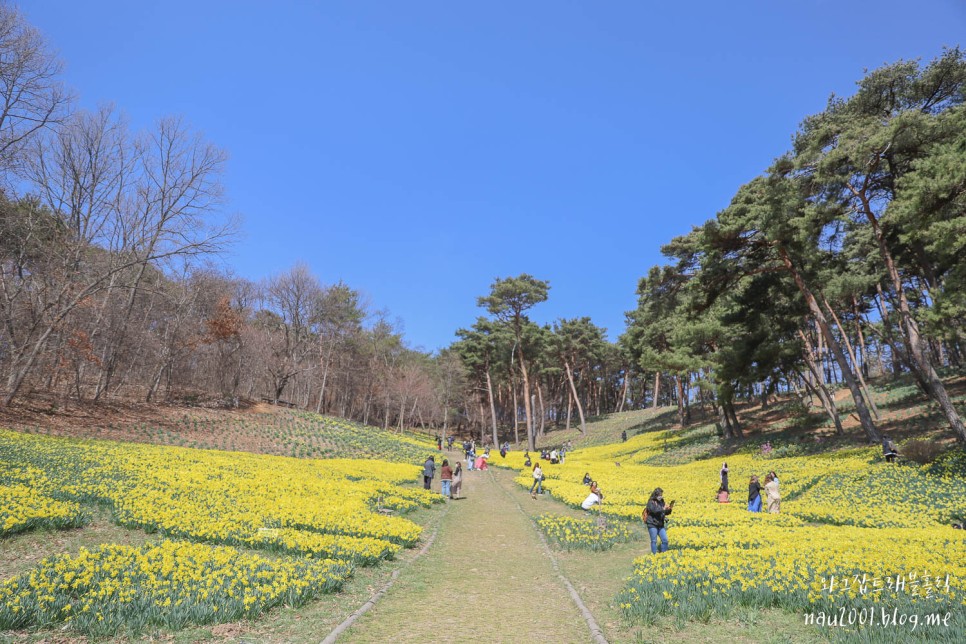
(362, 610)
(595, 630)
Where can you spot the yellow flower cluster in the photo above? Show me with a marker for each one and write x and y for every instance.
(320, 508)
(24, 508)
(592, 534)
(844, 514)
(122, 589)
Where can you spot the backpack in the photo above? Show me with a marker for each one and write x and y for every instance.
(644, 515)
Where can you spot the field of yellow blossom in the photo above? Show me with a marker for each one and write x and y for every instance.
(327, 515)
(119, 589)
(854, 533)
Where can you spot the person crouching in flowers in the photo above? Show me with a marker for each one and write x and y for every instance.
(595, 497)
(654, 516)
(754, 495)
(771, 493)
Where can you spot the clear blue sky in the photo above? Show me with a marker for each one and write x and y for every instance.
(417, 150)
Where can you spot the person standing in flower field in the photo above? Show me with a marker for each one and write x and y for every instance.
(889, 449)
(429, 471)
(537, 481)
(445, 478)
(724, 478)
(754, 495)
(457, 486)
(771, 493)
(654, 519)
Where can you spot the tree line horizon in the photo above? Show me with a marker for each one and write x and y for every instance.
(841, 262)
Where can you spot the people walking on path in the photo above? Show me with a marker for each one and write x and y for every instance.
(537, 481)
(445, 478)
(754, 495)
(772, 495)
(457, 486)
(429, 471)
(655, 517)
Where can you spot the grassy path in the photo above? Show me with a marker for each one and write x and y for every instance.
(486, 576)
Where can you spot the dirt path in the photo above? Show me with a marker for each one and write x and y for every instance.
(486, 577)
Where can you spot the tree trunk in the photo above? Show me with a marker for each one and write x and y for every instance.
(735, 425)
(682, 418)
(570, 408)
(657, 389)
(489, 392)
(543, 410)
(858, 368)
(573, 390)
(627, 377)
(527, 407)
(871, 432)
(820, 390)
(863, 352)
(516, 414)
(917, 348)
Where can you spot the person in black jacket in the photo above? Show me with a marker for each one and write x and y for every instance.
(429, 470)
(754, 495)
(655, 513)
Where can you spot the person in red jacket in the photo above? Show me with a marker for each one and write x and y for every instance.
(445, 477)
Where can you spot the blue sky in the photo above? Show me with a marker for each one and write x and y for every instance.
(418, 150)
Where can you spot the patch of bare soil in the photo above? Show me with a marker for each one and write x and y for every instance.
(144, 423)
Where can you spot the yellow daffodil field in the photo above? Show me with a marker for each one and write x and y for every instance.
(591, 534)
(122, 590)
(326, 516)
(25, 508)
(854, 533)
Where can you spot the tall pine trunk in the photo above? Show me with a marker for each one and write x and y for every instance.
(865, 418)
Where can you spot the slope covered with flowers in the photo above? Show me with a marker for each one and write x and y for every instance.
(331, 511)
(853, 532)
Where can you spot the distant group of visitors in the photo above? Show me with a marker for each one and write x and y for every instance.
(451, 481)
(557, 455)
(474, 461)
(755, 488)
